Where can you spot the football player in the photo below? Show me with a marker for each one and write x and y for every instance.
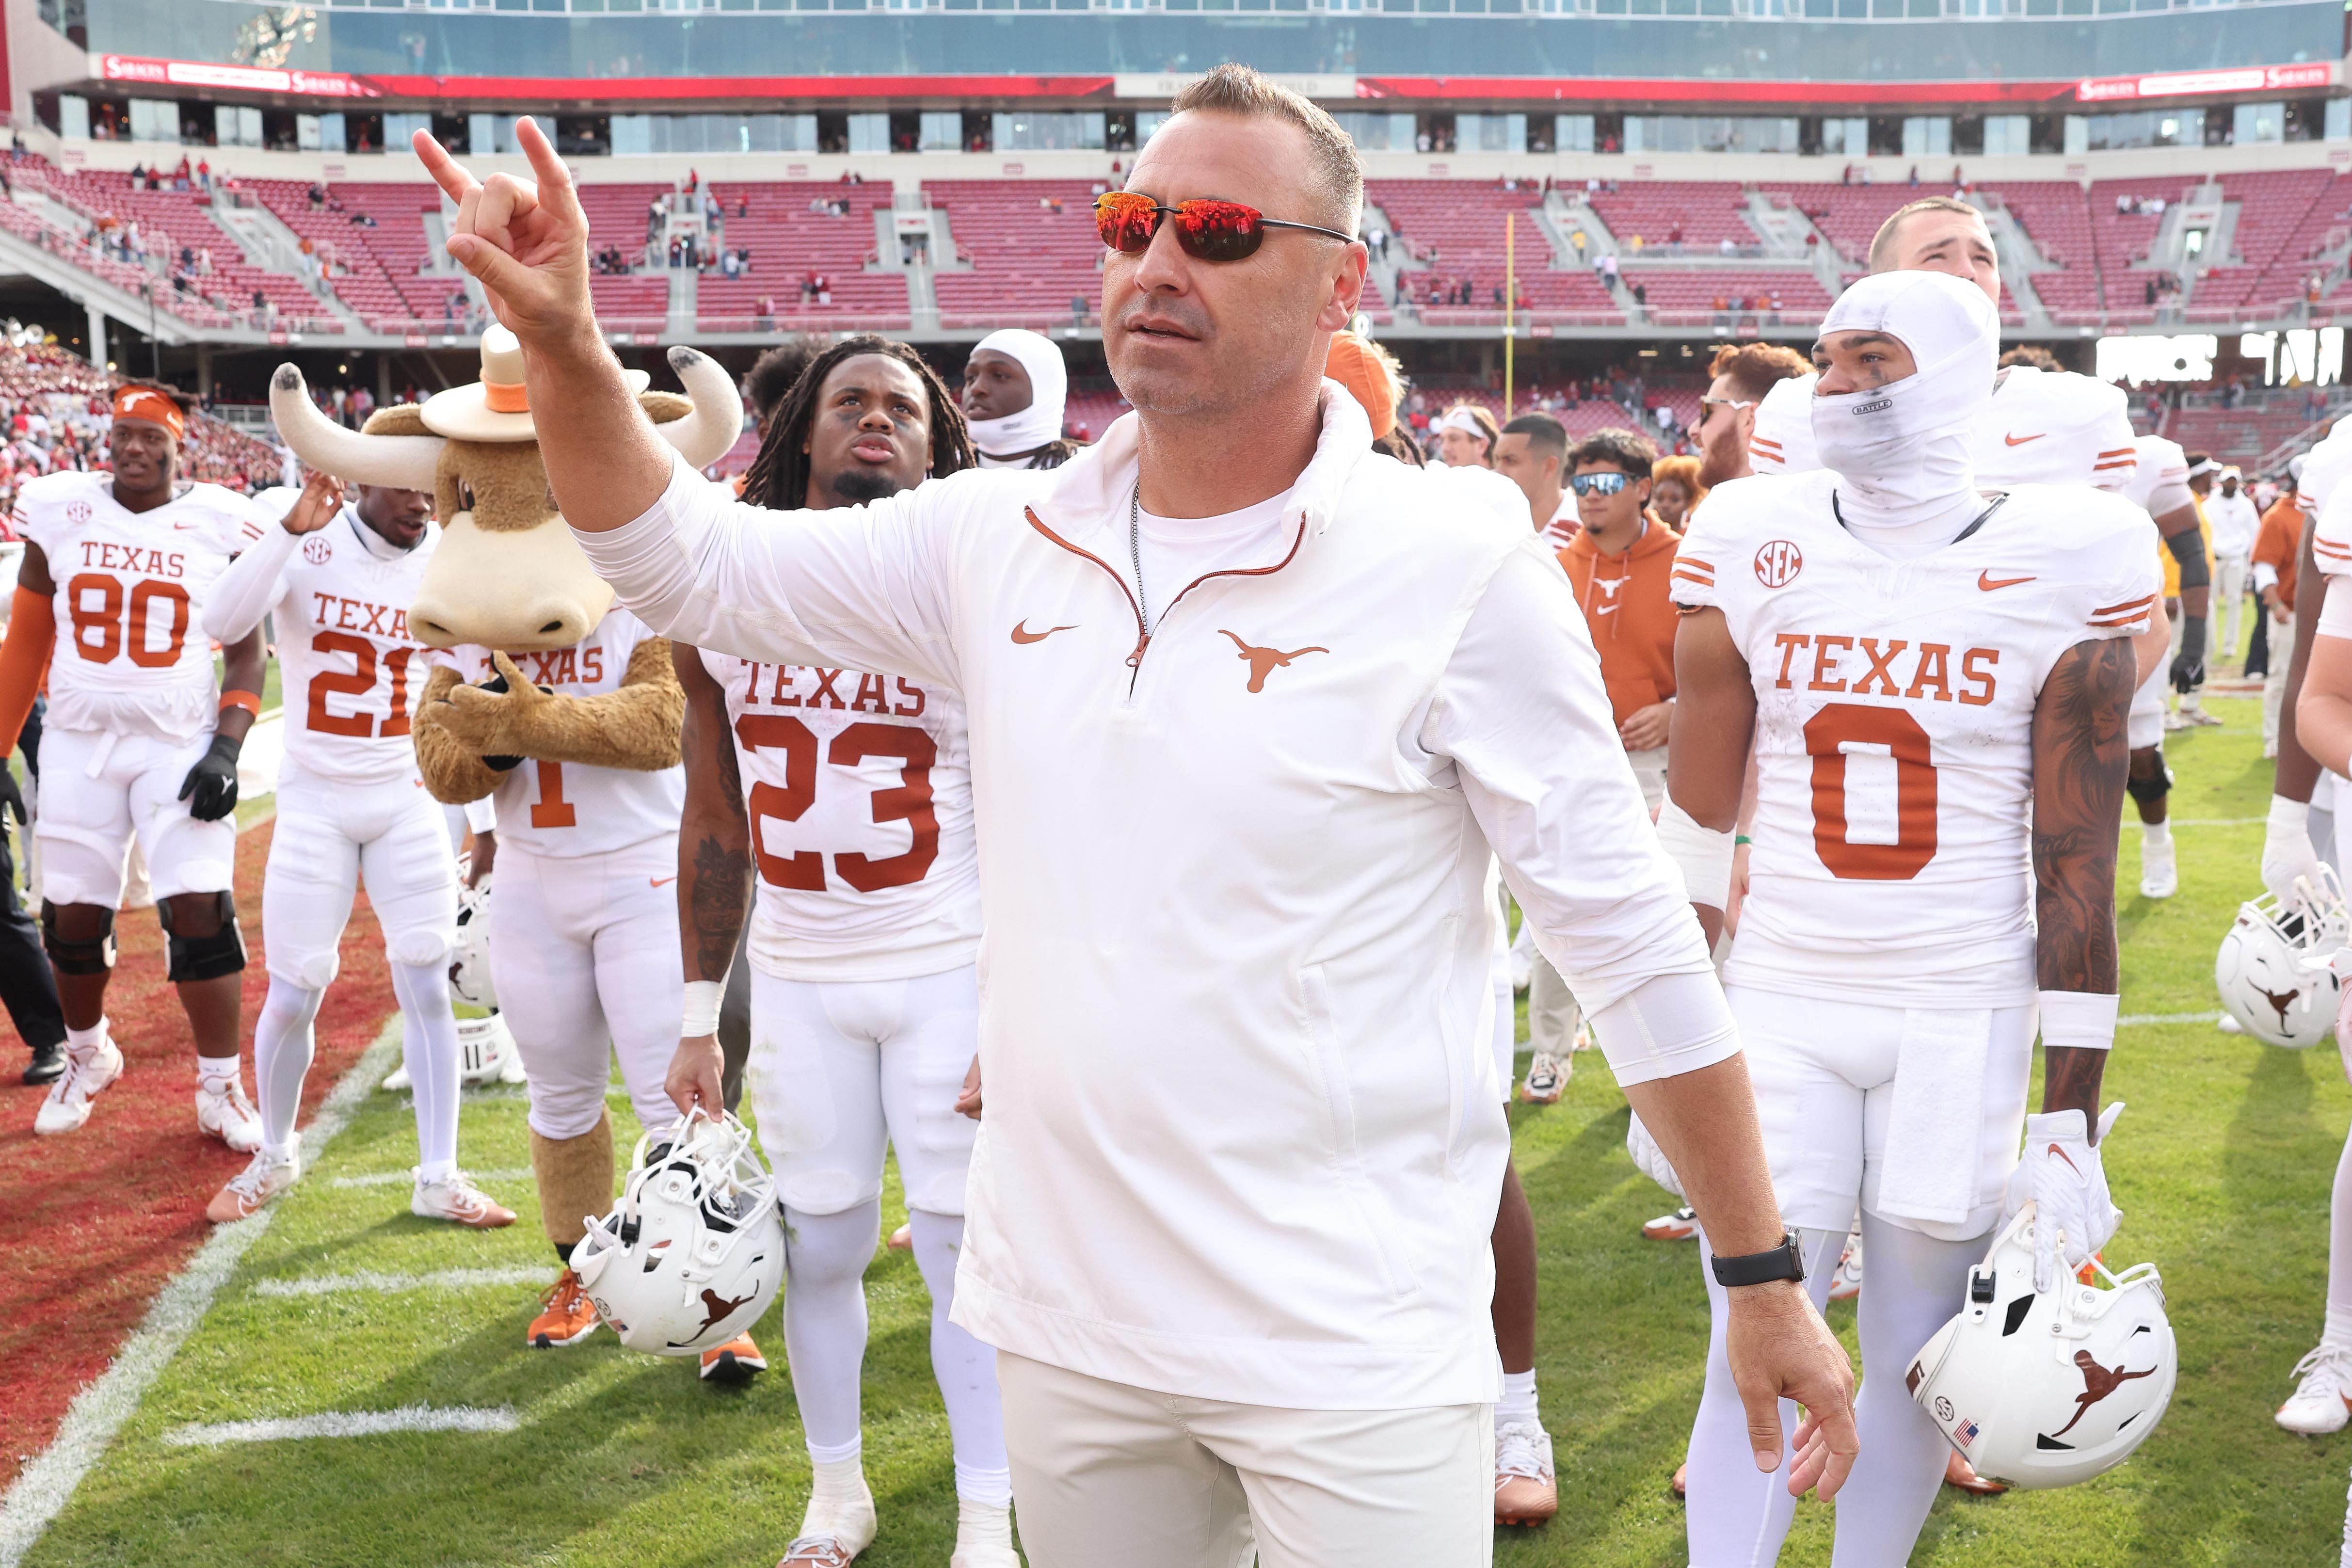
(837, 803)
(141, 742)
(1925, 667)
(2320, 730)
(2159, 485)
(350, 802)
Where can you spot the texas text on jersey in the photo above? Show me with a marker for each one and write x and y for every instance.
(1894, 711)
(131, 588)
(350, 668)
(858, 787)
(564, 809)
(2040, 428)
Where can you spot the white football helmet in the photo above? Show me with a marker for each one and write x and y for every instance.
(694, 1252)
(2273, 969)
(469, 960)
(487, 1053)
(2048, 1389)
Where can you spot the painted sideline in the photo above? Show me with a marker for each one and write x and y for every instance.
(46, 1483)
(346, 1424)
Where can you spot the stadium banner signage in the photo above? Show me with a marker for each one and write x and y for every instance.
(2185, 84)
(238, 78)
(1169, 84)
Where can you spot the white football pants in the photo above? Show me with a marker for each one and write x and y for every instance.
(1105, 1473)
(1824, 1074)
(839, 1073)
(584, 956)
(105, 791)
(326, 837)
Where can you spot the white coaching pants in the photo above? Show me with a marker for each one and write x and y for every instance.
(585, 955)
(1104, 1473)
(839, 1072)
(327, 836)
(100, 792)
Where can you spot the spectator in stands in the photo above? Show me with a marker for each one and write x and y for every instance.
(1740, 375)
(1674, 491)
(1015, 388)
(1531, 452)
(1466, 435)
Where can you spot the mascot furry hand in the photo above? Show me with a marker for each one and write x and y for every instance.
(467, 737)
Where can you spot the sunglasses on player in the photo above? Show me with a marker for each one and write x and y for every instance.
(1208, 230)
(1601, 484)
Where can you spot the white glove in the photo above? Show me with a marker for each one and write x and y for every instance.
(2063, 1176)
(2287, 853)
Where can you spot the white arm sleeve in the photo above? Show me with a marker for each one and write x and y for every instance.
(1521, 713)
(2265, 576)
(861, 586)
(253, 583)
(482, 816)
(2335, 612)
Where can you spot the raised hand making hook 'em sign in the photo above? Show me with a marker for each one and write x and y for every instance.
(526, 240)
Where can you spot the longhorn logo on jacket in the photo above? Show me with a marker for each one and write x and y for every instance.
(1265, 661)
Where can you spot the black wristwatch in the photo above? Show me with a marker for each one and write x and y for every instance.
(1786, 1261)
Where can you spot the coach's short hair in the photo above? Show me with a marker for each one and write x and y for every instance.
(1754, 368)
(1543, 432)
(2033, 354)
(1882, 245)
(1633, 452)
(1237, 90)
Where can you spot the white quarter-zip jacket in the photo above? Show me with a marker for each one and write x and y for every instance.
(1244, 1139)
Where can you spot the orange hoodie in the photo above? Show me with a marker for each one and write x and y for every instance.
(1629, 613)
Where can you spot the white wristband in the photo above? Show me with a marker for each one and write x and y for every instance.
(699, 1016)
(2288, 816)
(482, 816)
(1703, 853)
(2078, 1020)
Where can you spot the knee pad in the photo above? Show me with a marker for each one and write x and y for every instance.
(428, 949)
(95, 956)
(317, 972)
(203, 957)
(2154, 784)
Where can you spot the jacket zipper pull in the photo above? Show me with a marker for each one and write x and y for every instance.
(1135, 660)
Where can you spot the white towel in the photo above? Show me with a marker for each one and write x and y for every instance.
(1935, 1134)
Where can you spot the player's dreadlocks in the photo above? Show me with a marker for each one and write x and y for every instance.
(780, 474)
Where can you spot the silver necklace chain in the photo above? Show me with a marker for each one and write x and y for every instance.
(1135, 552)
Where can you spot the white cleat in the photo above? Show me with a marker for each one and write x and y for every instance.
(67, 1104)
(1545, 1081)
(455, 1199)
(397, 1081)
(2229, 1025)
(831, 1535)
(2322, 1401)
(983, 1536)
(2159, 870)
(1847, 1284)
(229, 1117)
(250, 1190)
(1524, 1490)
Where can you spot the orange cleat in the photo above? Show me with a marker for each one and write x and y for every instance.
(1959, 1473)
(737, 1361)
(567, 1316)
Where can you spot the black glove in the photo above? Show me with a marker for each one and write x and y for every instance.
(2189, 664)
(210, 788)
(12, 798)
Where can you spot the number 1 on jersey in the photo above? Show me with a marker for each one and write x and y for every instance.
(551, 809)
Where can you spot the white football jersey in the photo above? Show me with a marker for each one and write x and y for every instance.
(2159, 482)
(2040, 428)
(567, 809)
(1895, 710)
(349, 670)
(2331, 539)
(858, 787)
(130, 653)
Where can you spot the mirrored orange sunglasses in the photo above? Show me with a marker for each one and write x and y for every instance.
(1208, 230)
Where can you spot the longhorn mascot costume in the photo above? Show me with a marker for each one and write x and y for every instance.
(566, 712)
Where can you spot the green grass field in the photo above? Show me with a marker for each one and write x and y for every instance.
(2221, 1165)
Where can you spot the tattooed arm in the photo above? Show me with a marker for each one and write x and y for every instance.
(2080, 757)
(714, 867)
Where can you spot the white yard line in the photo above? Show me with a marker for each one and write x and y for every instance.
(390, 1284)
(2219, 821)
(405, 1178)
(46, 1485)
(2210, 1016)
(346, 1423)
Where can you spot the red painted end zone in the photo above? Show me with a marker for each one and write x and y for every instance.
(99, 1219)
